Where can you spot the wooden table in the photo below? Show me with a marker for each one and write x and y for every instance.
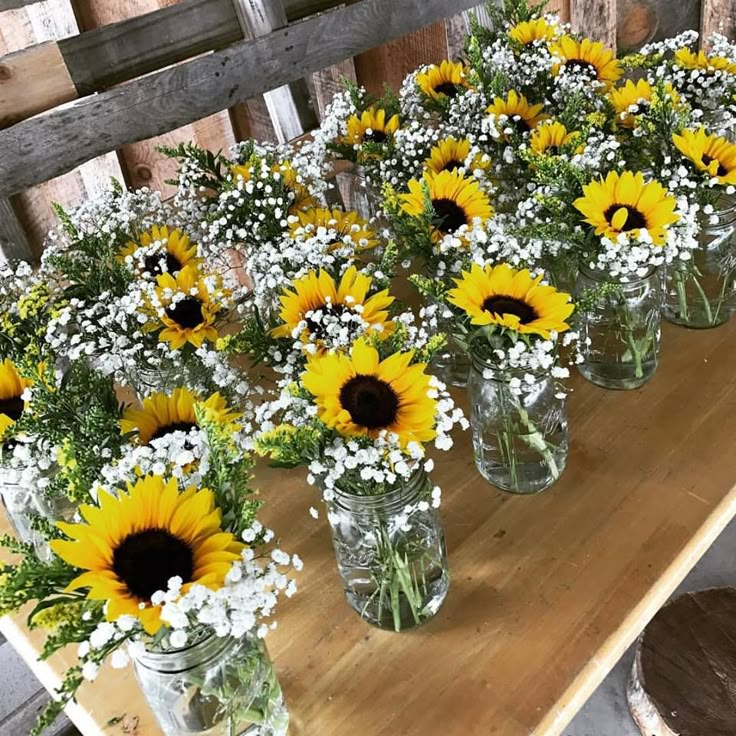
(547, 591)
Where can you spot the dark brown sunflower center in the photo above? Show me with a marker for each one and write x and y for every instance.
(375, 136)
(175, 427)
(450, 216)
(371, 403)
(521, 125)
(146, 561)
(12, 407)
(187, 313)
(500, 305)
(707, 160)
(641, 108)
(152, 263)
(447, 88)
(318, 328)
(634, 218)
(583, 66)
(453, 164)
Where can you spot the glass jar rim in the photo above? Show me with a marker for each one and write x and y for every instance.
(196, 653)
(404, 494)
(598, 274)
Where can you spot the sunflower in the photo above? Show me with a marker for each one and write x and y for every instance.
(529, 31)
(318, 292)
(456, 201)
(710, 153)
(359, 394)
(447, 80)
(499, 295)
(162, 414)
(549, 138)
(347, 225)
(170, 247)
(12, 387)
(286, 171)
(451, 154)
(518, 110)
(370, 127)
(589, 56)
(133, 544)
(686, 59)
(189, 312)
(626, 204)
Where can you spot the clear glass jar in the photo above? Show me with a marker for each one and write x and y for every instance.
(520, 438)
(620, 328)
(18, 504)
(391, 554)
(163, 379)
(450, 363)
(358, 195)
(218, 686)
(701, 292)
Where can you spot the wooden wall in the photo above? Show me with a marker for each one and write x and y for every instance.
(280, 114)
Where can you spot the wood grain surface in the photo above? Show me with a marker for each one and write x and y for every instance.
(20, 29)
(685, 668)
(596, 19)
(547, 591)
(166, 100)
(718, 16)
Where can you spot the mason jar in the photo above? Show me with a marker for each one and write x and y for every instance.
(450, 363)
(620, 327)
(391, 553)
(701, 292)
(18, 503)
(217, 686)
(161, 379)
(520, 437)
(358, 194)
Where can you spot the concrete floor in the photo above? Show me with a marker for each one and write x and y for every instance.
(605, 714)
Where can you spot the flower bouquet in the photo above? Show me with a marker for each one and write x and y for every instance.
(360, 421)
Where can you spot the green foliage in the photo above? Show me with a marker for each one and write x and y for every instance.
(253, 339)
(289, 446)
(213, 167)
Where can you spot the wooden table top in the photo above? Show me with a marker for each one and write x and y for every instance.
(547, 591)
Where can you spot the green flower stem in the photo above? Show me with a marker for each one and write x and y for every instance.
(704, 298)
(535, 439)
(682, 295)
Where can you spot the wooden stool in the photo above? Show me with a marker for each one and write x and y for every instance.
(684, 678)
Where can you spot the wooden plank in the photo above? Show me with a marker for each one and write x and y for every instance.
(391, 62)
(37, 149)
(259, 18)
(142, 164)
(118, 51)
(547, 591)
(12, 4)
(596, 19)
(33, 80)
(718, 16)
(14, 243)
(19, 29)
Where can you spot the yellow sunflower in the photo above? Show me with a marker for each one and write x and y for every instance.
(451, 154)
(292, 182)
(549, 138)
(456, 201)
(626, 204)
(639, 96)
(162, 414)
(172, 247)
(189, 312)
(709, 153)
(590, 56)
(447, 80)
(319, 292)
(345, 224)
(499, 295)
(370, 127)
(520, 113)
(359, 394)
(12, 405)
(130, 546)
(687, 59)
(529, 31)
